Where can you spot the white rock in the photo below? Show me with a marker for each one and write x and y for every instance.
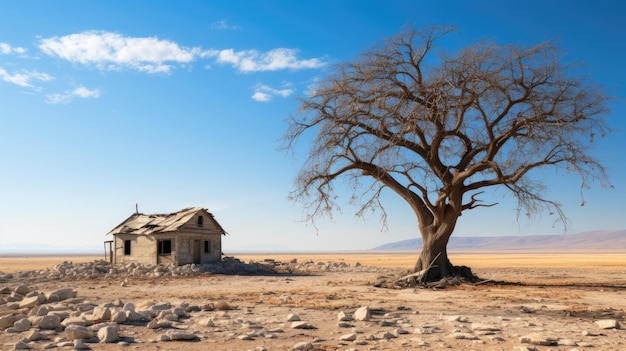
(30, 302)
(362, 314)
(76, 320)
(108, 334)
(348, 337)
(566, 342)
(537, 339)
(207, 322)
(484, 327)
(607, 324)
(61, 295)
(119, 317)
(7, 321)
(74, 332)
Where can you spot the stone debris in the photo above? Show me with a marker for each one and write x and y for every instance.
(362, 314)
(538, 339)
(607, 324)
(61, 319)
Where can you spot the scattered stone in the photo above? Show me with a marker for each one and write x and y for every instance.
(301, 325)
(8, 320)
(179, 335)
(463, 336)
(400, 331)
(566, 342)
(22, 289)
(74, 332)
(344, 325)
(22, 345)
(385, 336)
(348, 337)
(101, 314)
(207, 323)
(343, 317)
(537, 339)
(22, 325)
(80, 344)
(607, 324)
(303, 346)
(50, 322)
(484, 327)
(293, 318)
(35, 336)
(30, 302)
(61, 295)
(108, 334)
(362, 314)
(119, 317)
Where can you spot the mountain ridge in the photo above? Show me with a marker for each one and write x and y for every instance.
(588, 240)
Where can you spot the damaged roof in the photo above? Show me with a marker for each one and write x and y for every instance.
(143, 224)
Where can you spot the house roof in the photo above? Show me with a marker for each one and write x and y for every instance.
(143, 224)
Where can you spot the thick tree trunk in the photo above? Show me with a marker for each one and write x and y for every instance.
(433, 263)
(434, 255)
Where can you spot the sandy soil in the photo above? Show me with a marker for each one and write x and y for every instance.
(559, 299)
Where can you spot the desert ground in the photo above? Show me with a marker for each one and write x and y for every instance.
(546, 301)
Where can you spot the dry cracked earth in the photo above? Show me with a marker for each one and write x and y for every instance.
(554, 309)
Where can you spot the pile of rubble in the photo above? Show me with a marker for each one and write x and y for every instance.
(60, 318)
(229, 265)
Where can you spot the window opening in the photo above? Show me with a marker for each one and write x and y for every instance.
(127, 247)
(164, 247)
(207, 246)
(200, 221)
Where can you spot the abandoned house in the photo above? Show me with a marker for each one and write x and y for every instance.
(188, 236)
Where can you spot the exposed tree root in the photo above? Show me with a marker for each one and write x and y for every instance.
(462, 275)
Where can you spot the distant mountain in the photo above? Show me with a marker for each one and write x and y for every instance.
(592, 240)
(42, 249)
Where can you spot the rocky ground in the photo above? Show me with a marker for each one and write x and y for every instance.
(294, 305)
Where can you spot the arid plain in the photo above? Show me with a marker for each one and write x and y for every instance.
(529, 301)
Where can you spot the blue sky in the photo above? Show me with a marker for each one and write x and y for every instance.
(172, 104)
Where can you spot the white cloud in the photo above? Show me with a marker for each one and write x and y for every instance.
(7, 49)
(24, 79)
(112, 51)
(264, 93)
(68, 96)
(223, 25)
(273, 60)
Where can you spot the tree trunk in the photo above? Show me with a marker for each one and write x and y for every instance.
(433, 264)
(434, 255)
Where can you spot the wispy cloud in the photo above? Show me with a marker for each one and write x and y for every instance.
(224, 25)
(68, 96)
(24, 78)
(264, 93)
(273, 60)
(7, 49)
(112, 51)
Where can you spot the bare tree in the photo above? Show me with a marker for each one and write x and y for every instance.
(439, 128)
